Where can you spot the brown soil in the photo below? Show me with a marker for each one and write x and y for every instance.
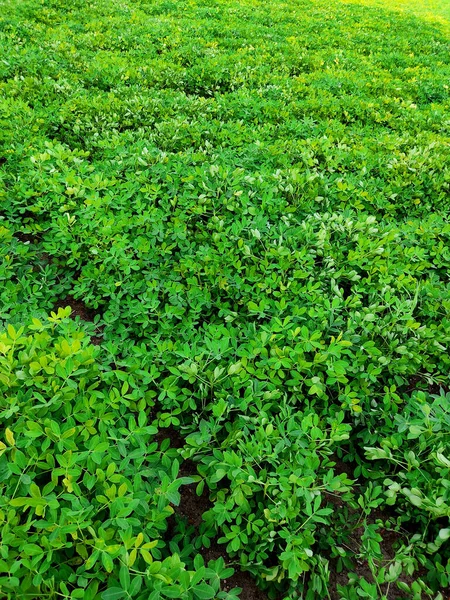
(79, 309)
(243, 580)
(26, 238)
(391, 539)
(362, 569)
(433, 388)
(192, 507)
(240, 579)
(176, 439)
(342, 467)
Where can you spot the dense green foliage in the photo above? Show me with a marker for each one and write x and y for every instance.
(253, 199)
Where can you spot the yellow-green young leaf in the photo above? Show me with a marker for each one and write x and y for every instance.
(4, 348)
(122, 490)
(5, 380)
(35, 492)
(132, 557)
(147, 556)
(273, 573)
(154, 568)
(19, 502)
(2, 448)
(416, 500)
(442, 460)
(110, 470)
(92, 560)
(82, 551)
(150, 545)
(10, 437)
(68, 433)
(235, 368)
(107, 562)
(139, 539)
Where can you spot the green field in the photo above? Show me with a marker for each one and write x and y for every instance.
(246, 207)
(435, 11)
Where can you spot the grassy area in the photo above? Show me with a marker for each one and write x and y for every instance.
(435, 11)
(246, 206)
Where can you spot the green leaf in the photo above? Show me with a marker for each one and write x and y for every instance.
(173, 591)
(32, 550)
(124, 577)
(107, 562)
(113, 593)
(175, 469)
(226, 573)
(203, 591)
(19, 502)
(92, 560)
(135, 586)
